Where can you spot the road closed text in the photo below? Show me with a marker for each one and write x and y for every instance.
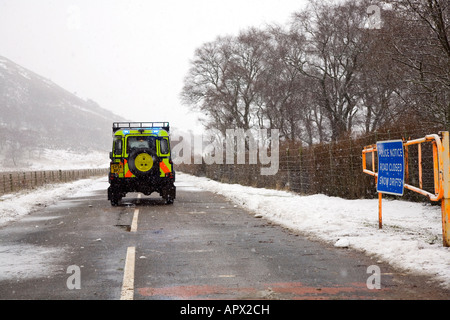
(391, 167)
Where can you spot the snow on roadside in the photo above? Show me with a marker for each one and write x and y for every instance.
(21, 261)
(411, 237)
(14, 206)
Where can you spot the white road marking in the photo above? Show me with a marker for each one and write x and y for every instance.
(128, 275)
(139, 198)
(134, 222)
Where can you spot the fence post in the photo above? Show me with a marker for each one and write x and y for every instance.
(332, 180)
(288, 168)
(445, 202)
(300, 169)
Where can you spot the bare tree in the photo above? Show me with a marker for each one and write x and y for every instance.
(248, 66)
(328, 74)
(420, 43)
(281, 86)
(380, 82)
(222, 81)
(334, 58)
(207, 87)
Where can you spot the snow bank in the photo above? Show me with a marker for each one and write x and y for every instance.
(411, 238)
(14, 206)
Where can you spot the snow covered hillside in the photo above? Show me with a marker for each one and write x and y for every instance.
(47, 159)
(36, 113)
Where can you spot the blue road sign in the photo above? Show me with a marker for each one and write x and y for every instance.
(391, 167)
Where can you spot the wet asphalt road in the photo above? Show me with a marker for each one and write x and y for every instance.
(201, 247)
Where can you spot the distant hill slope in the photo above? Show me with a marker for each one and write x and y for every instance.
(35, 113)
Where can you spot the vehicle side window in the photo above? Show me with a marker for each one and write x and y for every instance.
(164, 146)
(118, 146)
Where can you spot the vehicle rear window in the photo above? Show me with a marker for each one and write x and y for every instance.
(140, 142)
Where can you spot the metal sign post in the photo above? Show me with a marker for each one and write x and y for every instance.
(445, 202)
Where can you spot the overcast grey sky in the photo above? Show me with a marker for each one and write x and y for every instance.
(130, 56)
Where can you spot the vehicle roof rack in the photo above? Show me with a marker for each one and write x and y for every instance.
(140, 125)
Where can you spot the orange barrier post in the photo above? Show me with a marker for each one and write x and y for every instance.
(445, 202)
(441, 169)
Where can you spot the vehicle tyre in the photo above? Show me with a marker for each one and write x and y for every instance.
(115, 202)
(114, 195)
(169, 193)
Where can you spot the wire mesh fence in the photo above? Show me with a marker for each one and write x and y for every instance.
(15, 181)
(334, 169)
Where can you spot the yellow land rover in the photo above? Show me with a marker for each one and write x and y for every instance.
(141, 161)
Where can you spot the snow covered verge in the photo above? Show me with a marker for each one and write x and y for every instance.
(16, 205)
(411, 237)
